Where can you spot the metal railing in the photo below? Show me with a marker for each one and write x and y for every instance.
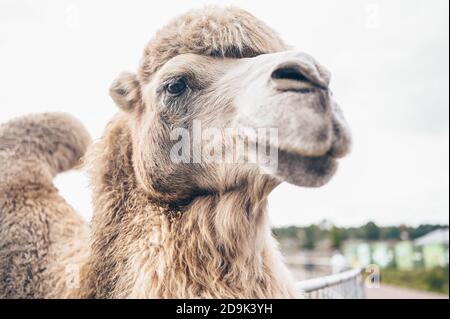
(346, 285)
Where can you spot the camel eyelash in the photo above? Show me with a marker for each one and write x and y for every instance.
(189, 77)
(163, 88)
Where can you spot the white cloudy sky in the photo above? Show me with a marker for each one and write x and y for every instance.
(390, 61)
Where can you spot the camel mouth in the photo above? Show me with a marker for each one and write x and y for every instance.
(306, 171)
(327, 158)
(329, 152)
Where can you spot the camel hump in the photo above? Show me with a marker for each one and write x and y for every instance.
(53, 142)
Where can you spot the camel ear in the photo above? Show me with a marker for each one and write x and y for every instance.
(126, 91)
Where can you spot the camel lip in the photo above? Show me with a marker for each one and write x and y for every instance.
(303, 90)
(328, 158)
(330, 153)
(305, 171)
(333, 155)
(336, 151)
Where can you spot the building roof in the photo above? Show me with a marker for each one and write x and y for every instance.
(439, 236)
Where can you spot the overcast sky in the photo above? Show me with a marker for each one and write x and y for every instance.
(390, 64)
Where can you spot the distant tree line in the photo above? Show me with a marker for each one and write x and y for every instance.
(308, 237)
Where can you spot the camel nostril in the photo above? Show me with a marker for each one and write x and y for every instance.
(288, 73)
(299, 75)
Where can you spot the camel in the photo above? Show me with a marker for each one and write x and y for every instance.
(163, 228)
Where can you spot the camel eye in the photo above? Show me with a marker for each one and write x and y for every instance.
(177, 87)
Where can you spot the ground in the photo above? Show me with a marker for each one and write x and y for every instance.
(392, 292)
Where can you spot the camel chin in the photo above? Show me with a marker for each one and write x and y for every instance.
(305, 171)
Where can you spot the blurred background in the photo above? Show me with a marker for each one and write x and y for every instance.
(388, 205)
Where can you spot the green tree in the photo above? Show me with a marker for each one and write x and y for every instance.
(337, 237)
(391, 232)
(312, 235)
(371, 231)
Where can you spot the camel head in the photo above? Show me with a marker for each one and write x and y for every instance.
(224, 72)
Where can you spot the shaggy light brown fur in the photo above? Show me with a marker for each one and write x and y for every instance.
(212, 31)
(159, 230)
(218, 246)
(36, 225)
(158, 235)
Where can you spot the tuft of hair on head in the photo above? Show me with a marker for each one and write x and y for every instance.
(213, 31)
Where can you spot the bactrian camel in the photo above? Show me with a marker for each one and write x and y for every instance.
(163, 228)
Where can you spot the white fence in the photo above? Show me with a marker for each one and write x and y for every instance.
(345, 285)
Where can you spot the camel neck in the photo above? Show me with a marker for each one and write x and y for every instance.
(220, 245)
